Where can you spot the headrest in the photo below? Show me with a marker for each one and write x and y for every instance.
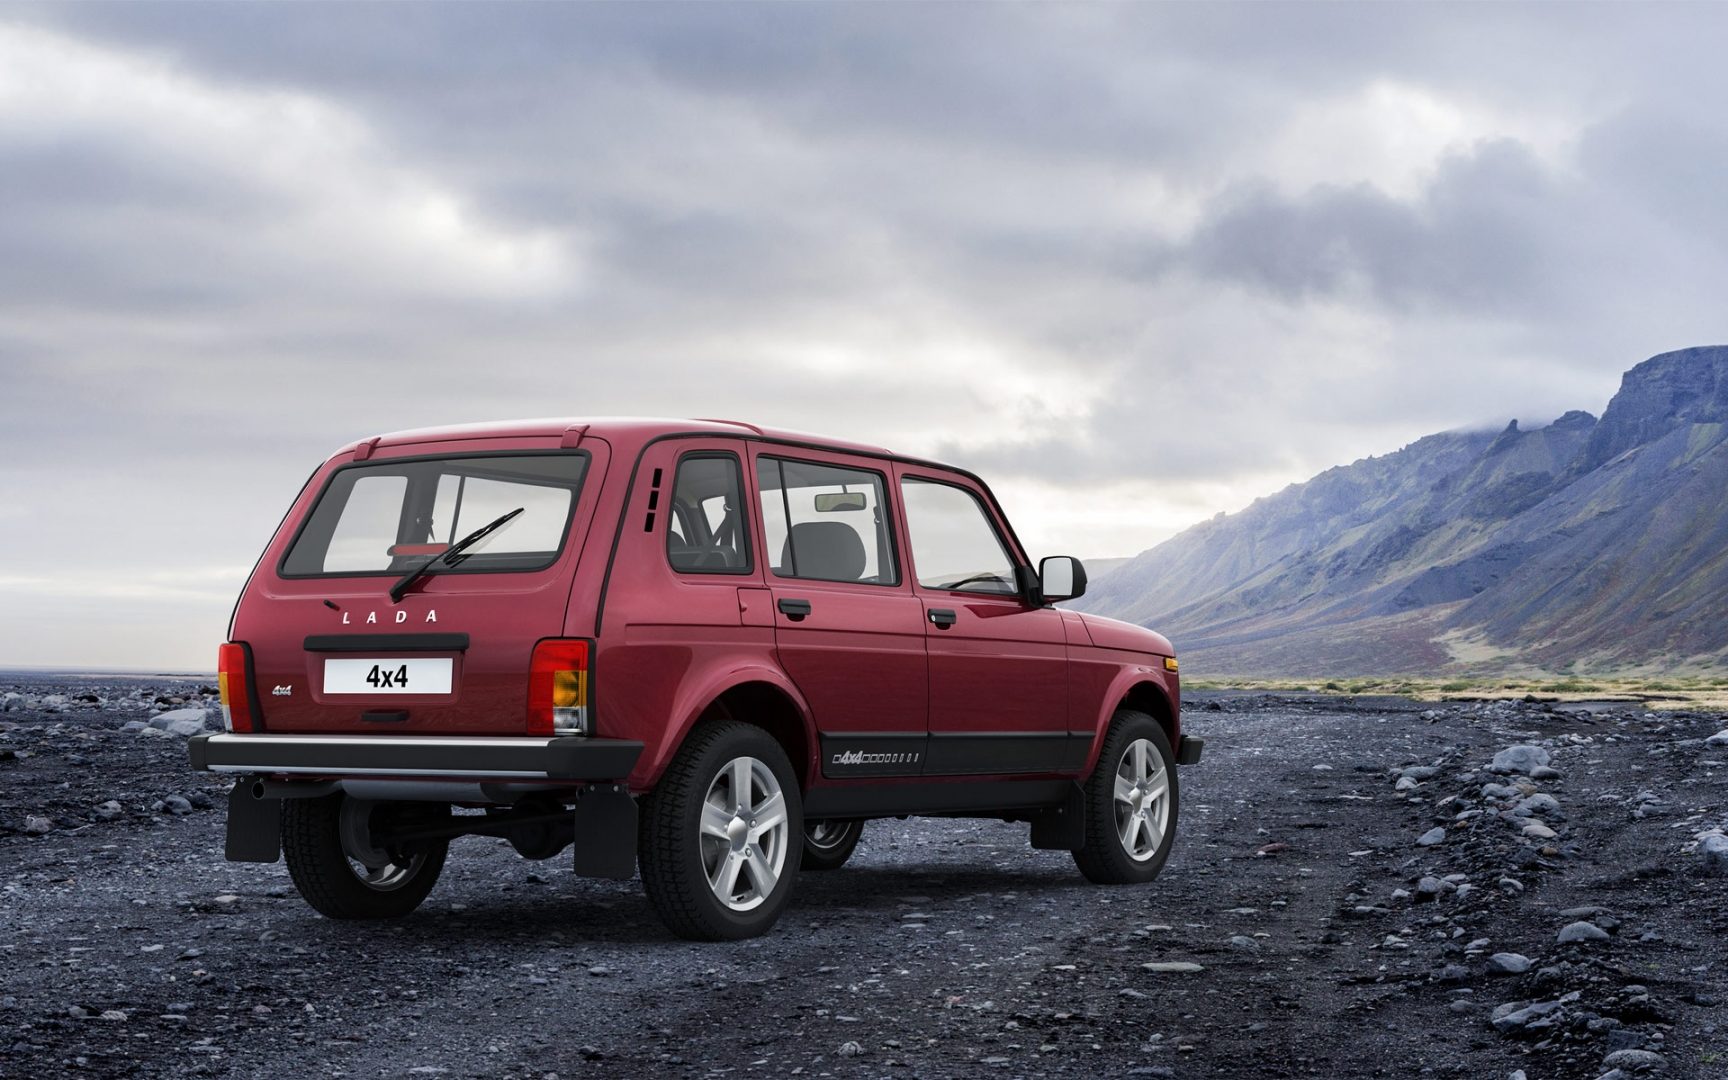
(828, 550)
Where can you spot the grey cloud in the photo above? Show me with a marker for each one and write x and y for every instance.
(958, 230)
(1481, 238)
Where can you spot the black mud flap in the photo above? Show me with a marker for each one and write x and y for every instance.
(1062, 828)
(254, 826)
(605, 832)
(1188, 753)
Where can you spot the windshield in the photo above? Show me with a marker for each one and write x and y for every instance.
(388, 517)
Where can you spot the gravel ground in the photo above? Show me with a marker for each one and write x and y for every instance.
(1349, 897)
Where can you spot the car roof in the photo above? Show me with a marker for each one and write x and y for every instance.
(633, 429)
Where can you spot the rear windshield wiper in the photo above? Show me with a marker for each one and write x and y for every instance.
(451, 555)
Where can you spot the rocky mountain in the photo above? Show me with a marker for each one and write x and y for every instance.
(1587, 545)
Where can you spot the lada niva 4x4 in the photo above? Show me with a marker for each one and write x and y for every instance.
(700, 650)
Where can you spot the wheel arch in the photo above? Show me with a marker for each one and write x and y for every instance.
(1142, 693)
(752, 694)
(775, 710)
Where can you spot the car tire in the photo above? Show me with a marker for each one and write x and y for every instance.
(828, 844)
(327, 845)
(1131, 802)
(721, 833)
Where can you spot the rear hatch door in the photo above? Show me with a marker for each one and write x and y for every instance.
(333, 652)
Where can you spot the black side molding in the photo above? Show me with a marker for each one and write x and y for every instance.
(892, 800)
(387, 643)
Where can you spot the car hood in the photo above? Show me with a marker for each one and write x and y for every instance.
(1116, 634)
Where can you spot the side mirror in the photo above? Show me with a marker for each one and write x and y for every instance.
(1061, 577)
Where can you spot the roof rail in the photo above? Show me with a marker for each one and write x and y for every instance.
(734, 423)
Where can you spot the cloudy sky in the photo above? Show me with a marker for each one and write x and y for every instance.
(1138, 264)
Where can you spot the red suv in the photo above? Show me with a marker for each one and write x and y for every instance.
(699, 648)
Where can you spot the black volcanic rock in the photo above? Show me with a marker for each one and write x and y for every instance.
(1597, 541)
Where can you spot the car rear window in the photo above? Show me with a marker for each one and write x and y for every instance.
(388, 517)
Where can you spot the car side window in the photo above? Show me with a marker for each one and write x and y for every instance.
(705, 532)
(826, 522)
(954, 544)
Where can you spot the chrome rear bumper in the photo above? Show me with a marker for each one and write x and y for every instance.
(568, 757)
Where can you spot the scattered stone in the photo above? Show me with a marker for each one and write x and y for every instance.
(1540, 805)
(1579, 932)
(1713, 849)
(176, 805)
(1544, 772)
(1508, 963)
(1539, 831)
(850, 1049)
(1637, 1062)
(1431, 887)
(1242, 943)
(1718, 739)
(1586, 911)
(1519, 759)
(1405, 784)
(1173, 967)
(109, 810)
(1524, 1017)
(1436, 835)
(37, 826)
(183, 722)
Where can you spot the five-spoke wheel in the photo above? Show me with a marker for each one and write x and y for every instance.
(744, 833)
(340, 868)
(1131, 802)
(829, 842)
(1142, 800)
(717, 834)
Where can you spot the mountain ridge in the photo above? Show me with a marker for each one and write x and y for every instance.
(1587, 544)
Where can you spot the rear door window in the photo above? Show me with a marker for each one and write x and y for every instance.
(705, 531)
(825, 522)
(388, 517)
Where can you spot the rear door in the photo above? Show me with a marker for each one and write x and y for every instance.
(332, 652)
(998, 666)
(848, 630)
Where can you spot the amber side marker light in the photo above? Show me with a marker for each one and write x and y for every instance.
(558, 688)
(1169, 663)
(231, 683)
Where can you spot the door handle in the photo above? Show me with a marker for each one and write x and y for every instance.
(943, 617)
(792, 608)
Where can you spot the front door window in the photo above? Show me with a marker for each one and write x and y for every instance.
(954, 545)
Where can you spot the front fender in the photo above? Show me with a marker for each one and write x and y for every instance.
(1132, 687)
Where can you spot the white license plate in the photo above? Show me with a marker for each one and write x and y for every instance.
(387, 676)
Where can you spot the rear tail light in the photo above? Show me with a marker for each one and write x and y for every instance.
(234, 681)
(558, 688)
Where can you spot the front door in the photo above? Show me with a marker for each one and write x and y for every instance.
(998, 665)
(848, 629)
